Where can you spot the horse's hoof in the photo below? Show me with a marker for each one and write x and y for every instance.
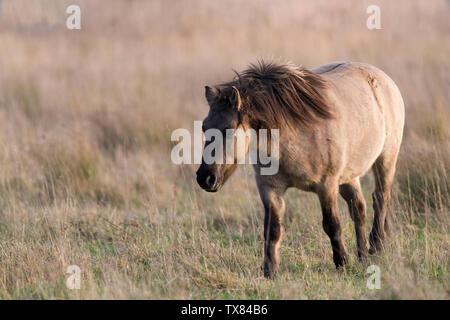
(376, 242)
(375, 247)
(373, 250)
(363, 255)
(340, 261)
(269, 272)
(269, 276)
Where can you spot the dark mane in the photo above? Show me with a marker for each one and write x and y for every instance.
(276, 95)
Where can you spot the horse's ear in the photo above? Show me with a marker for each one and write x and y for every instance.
(235, 99)
(210, 94)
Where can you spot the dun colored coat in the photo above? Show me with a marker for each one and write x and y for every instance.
(336, 122)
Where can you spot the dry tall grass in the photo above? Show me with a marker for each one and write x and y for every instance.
(86, 176)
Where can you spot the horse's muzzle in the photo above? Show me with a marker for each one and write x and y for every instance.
(207, 180)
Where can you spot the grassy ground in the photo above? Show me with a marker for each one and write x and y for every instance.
(85, 171)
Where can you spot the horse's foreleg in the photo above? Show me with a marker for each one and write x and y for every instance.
(332, 223)
(351, 192)
(273, 230)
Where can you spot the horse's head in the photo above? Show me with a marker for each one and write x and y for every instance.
(224, 113)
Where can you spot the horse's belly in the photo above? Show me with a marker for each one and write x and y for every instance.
(362, 153)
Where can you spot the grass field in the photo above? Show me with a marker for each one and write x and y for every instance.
(85, 171)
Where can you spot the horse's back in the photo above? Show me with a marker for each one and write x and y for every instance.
(382, 87)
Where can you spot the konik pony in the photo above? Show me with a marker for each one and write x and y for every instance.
(335, 123)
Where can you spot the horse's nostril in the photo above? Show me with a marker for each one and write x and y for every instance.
(210, 180)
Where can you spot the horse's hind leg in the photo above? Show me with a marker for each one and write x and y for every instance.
(332, 222)
(351, 192)
(384, 170)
